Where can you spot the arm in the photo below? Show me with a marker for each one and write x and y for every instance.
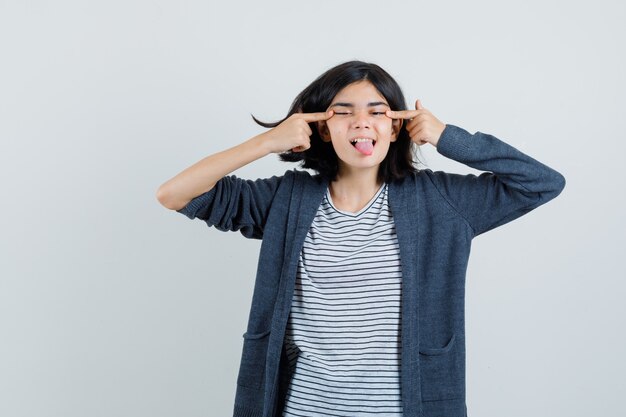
(201, 177)
(293, 133)
(515, 185)
(229, 203)
(235, 204)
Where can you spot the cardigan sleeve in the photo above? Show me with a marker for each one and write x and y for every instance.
(514, 184)
(235, 204)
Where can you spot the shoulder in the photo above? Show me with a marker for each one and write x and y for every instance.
(301, 173)
(424, 175)
(432, 184)
(288, 179)
(302, 176)
(289, 176)
(282, 184)
(437, 178)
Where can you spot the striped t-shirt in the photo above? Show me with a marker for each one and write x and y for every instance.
(343, 333)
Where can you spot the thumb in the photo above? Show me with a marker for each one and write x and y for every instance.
(418, 105)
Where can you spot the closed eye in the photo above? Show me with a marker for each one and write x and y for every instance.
(377, 113)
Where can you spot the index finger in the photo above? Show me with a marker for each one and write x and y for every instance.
(316, 117)
(402, 114)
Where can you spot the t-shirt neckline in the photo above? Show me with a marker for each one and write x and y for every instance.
(363, 210)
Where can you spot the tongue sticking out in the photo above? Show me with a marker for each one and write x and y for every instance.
(366, 148)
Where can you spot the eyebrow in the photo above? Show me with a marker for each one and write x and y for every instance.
(371, 104)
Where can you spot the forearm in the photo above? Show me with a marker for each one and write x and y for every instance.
(204, 174)
(487, 153)
(513, 183)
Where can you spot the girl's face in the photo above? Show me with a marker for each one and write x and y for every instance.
(359, 114)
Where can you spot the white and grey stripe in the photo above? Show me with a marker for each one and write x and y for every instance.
(343, 334)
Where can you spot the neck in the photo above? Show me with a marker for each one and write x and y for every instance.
(355, 184)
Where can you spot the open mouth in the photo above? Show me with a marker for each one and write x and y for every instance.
(355, 141)
(364, 145)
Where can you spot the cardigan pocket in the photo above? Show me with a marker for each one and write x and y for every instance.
(441, 372)
(253, 355)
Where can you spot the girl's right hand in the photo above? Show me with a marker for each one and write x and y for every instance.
(293, 133)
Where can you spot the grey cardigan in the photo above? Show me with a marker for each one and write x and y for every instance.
(436, 214)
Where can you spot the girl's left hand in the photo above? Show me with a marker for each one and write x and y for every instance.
(423, 127)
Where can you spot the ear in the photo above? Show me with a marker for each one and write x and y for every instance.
(322, 129)
(396, 126)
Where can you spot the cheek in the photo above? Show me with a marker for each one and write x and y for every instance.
(385, 126)
(335, 128)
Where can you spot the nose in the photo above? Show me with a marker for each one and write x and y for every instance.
(362, 119)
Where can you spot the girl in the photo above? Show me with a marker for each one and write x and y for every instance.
(358, 305)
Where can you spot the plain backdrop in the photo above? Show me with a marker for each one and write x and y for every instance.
(111, 305)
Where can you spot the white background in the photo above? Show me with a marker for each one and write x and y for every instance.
(112, 305)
